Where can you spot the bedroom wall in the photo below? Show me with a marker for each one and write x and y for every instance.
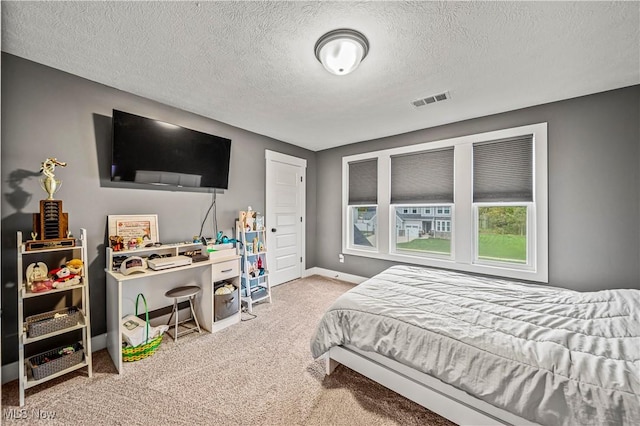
(594, 188)
(46, 112)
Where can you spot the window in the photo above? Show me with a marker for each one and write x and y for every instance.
(443, 226)
(502, 234)
(422, 236)
(475, 203)
(362, 201)
(364, 226)
(502, 199)
(418, 179)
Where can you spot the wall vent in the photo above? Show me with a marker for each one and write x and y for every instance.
(418, 103)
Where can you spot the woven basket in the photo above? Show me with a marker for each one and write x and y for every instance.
(46, 322)
(41, 368)
(136, 353)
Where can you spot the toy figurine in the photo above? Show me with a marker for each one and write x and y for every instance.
(116, 243)
(37, 278)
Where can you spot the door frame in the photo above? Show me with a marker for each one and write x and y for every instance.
(302, 192)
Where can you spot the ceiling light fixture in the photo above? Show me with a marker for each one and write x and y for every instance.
(341, 51)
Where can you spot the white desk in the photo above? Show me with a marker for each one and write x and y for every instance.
(123, 289)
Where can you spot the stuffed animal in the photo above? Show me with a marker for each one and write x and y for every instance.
(75, 266)
(63, 277)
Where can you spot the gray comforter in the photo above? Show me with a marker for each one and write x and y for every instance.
(549, 355)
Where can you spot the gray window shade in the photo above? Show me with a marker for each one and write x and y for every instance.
(363, 182)
(503, 170)
(422, 177)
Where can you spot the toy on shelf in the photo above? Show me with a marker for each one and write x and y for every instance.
(75, 266)
(63, 277)
(116, 242)
(38, 278)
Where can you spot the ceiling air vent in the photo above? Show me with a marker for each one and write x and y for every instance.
(418, 103)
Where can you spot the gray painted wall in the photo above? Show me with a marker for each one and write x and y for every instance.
(594, 188)
(46, 112)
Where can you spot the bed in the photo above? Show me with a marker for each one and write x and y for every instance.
(481, 350)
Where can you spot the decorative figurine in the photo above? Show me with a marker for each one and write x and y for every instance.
(116, 242)
(37, 278)
(50, 184)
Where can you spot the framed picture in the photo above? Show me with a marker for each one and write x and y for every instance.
(135, 226)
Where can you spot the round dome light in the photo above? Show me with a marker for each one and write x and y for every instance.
(341, 51)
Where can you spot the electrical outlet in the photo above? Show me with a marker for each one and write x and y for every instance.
(341, 258)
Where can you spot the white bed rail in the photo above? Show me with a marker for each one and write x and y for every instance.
(431, 393)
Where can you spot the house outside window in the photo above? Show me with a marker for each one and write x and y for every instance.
(419, 234)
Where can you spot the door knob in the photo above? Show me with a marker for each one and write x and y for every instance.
(273, 229)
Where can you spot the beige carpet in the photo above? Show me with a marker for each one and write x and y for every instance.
(257, 372)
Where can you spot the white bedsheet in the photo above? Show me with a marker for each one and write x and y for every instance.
(549, 355)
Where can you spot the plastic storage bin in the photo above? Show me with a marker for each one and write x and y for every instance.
(49, 322)
(53, 361)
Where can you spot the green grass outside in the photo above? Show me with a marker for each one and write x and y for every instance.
(503, 247)
(491, 246)
(438, 245)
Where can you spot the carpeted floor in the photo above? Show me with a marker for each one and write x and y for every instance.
(257, 372)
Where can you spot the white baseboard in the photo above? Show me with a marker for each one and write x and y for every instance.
(334, 274)
(10, 371)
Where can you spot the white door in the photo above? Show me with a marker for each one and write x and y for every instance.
(285, 216)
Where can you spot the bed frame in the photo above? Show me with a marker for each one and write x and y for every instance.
(433, 394)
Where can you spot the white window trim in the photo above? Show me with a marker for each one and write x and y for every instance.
(463, 243)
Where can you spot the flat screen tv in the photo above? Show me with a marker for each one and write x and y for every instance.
(148, 151)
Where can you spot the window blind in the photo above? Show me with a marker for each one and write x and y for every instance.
(422, 177)
(363, 182)
(503, 170)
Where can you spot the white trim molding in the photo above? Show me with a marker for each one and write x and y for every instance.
(356, 279)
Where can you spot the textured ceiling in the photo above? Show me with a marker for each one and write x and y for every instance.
(251, 64)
